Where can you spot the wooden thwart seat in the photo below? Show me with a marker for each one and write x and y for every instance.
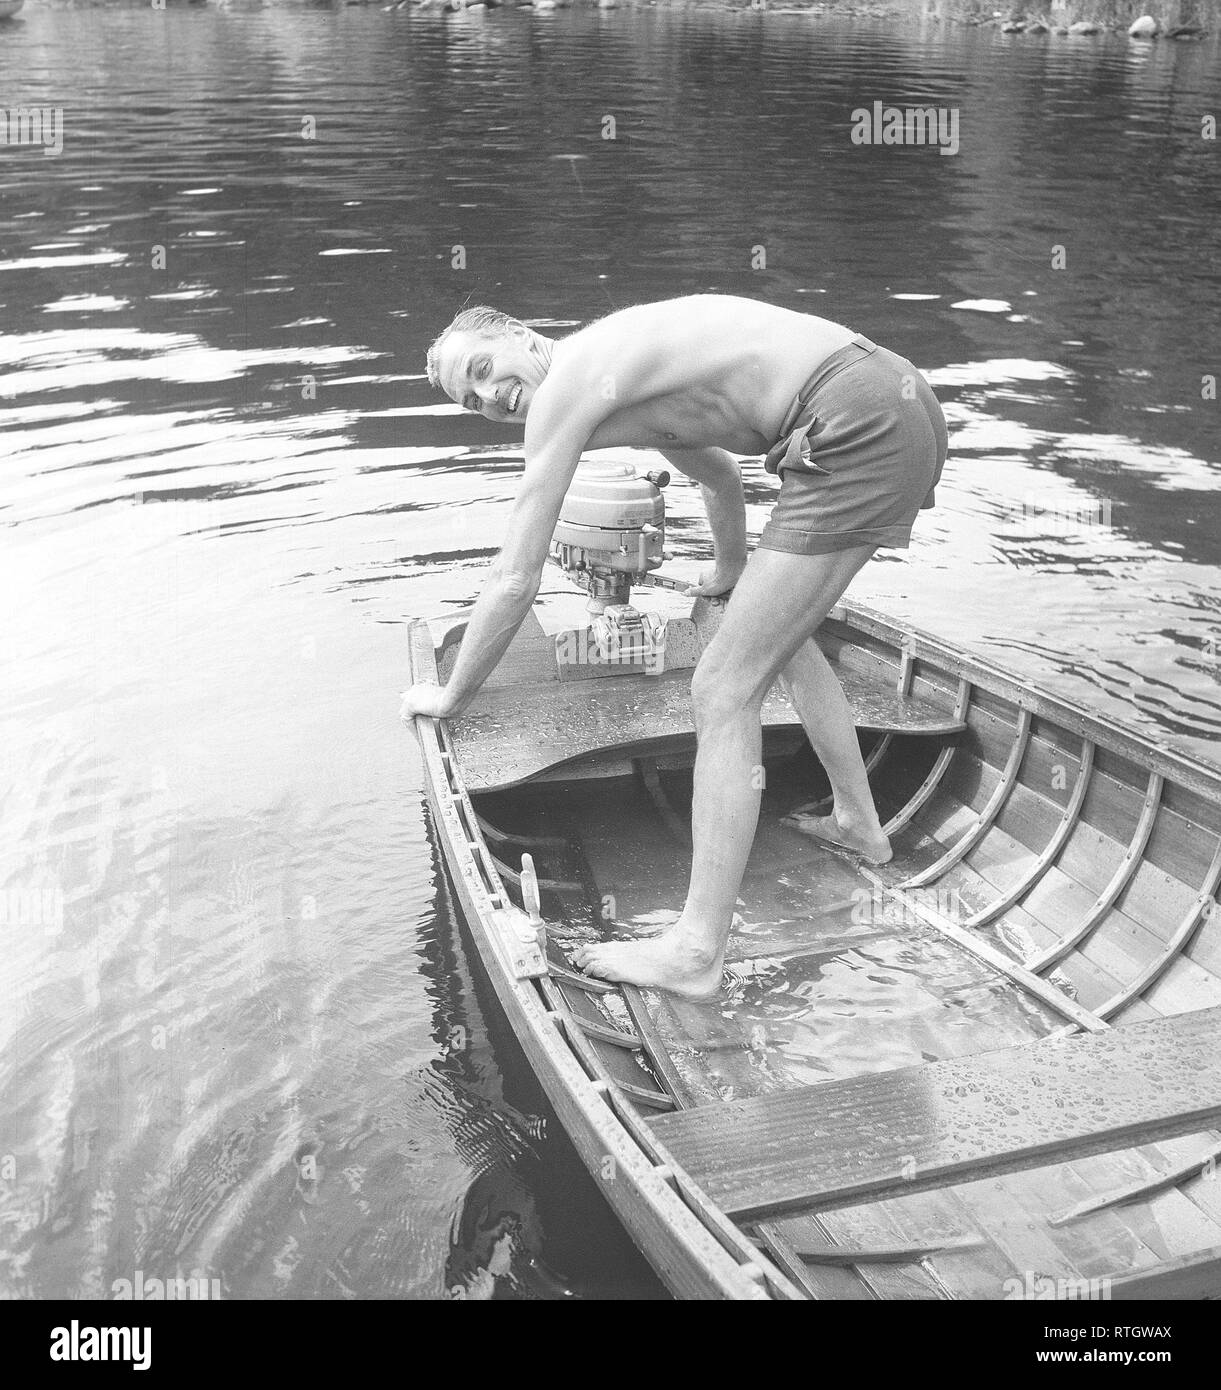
(907, 1131)
(525, 721)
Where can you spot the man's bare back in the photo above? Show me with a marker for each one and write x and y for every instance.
(709, 370)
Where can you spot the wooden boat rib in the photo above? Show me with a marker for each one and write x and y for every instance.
(987, 815)
(1051, 1107)
(1047, 856)
(938, 770)
(1119, 881)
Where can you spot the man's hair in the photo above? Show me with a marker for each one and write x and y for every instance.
(481, 320)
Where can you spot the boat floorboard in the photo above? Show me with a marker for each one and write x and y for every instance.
(965, 1119)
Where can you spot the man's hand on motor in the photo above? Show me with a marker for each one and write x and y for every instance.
(716, 581)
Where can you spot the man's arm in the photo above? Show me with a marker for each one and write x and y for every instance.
(720, 478)
(515, 575)
(557, 430)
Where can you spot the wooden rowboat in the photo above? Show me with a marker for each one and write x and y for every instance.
(989, 1069)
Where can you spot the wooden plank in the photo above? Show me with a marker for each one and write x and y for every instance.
(1183, 986)
(1190, 820)
(962, 1120)
(990, 726)
(868, 1227)
(654, 1046)
(639, 1095)
(1190, 1276)
(1053, 762)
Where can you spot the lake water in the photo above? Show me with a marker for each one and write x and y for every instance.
(240, 1034)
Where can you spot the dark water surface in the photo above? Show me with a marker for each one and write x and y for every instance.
(240, 1034)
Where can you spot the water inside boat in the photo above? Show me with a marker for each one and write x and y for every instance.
(825, 977)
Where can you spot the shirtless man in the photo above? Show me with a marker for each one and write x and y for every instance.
(858, 440)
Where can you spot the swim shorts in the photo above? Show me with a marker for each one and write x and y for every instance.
(859, 455)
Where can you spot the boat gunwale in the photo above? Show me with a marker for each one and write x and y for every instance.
(562, 1071)
(1190, 773)
(1194, 774)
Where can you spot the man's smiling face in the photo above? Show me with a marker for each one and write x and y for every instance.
(494, 377)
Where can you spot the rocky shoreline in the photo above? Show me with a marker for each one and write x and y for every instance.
(1142, 20)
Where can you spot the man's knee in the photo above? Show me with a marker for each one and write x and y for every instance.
(719, 694)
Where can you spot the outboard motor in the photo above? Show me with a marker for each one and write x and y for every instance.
(610, 535)
(611, 530)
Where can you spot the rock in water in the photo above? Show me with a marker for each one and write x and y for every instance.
(1085, 26)
(1143, 28)
(1012, 26)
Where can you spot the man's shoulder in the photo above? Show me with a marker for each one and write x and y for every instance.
(615, 339)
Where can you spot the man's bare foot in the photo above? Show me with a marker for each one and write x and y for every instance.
(677, 961)
(870, 844)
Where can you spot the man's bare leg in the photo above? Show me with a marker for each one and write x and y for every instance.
(823, 709)
(777, 605)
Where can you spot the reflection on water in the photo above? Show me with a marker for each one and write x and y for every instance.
(238, 1032)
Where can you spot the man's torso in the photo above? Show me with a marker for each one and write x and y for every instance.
(708, 370)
